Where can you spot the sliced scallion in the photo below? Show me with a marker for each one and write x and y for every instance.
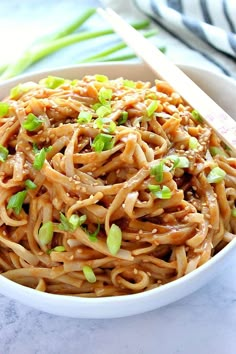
(4, 108)
(158, 192)
(123, 118)
(114, 239)
(57, 249)
(46, 233)
(16, 201)
(103, 142)
(84, 117)
(193, 143)
(233, 213)
(89, 274)
(129, 83)
(3, 153)
(76, 220)
(216, 175)
(101, 78)
(196, 116)
(39, 159)
(179, 161)
(104, 95)
(32, 122)
(215, 150)
(93, 235)
(151, 108)
(158, 171)
(52, 82)
(72, 223)
(103, 111)
(30, 184)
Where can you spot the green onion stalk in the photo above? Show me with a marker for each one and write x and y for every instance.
(113, 49)
(46, 46)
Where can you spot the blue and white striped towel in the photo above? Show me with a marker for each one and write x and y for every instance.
(204, 31)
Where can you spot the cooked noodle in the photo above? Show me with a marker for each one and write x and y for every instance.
(171, 217)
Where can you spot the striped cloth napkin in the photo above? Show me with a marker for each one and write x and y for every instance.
(198, 32)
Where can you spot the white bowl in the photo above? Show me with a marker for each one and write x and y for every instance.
(222, 90)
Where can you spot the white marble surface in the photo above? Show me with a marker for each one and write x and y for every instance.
(204, 322)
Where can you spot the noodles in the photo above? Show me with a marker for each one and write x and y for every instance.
(109, 187)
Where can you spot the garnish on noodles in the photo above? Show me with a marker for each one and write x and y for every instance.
(109, 187)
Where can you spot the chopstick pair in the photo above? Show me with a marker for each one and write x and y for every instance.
(210, 111)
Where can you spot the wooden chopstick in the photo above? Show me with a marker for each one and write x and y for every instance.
(211, 112)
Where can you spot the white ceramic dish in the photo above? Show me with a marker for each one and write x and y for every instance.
(222, 90)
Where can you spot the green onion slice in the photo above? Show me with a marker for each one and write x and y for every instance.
(72, 223)
(114, 239)
(46, 233)
(233, 212)
(123, 118)
(179, 161)
(84, 117)
(16, 201)
(103, 111)
(57, 249)
(158, 171)
(214, 150)
(18, 90)
(196, 116)
(4, 109)
(104, 95)
(158, 192)
(76, 221)
(3, 153)
(129, 83)
(101, 78)
(89, 274)
(39, 159)
(32, 122)
(216, 175)
(103, 142)
(52, 82)
(193, 143)
(93, 235)
(30, 184)
(152, 108)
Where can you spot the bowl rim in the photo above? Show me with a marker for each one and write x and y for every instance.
(177, 283)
